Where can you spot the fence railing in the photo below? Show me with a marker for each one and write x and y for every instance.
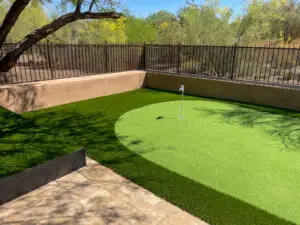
(55, 61)
(48, 61)
(274, 65)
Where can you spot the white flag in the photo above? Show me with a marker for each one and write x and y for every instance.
(181, 88)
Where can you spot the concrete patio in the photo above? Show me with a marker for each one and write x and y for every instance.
(93, 195)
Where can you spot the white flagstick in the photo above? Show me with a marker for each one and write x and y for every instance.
(181, 89)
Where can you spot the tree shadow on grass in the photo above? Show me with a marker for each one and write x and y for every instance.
(140, 147)
(275, 122)
(63, 128)
(24, 144)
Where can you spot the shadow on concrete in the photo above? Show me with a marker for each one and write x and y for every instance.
(73, 200)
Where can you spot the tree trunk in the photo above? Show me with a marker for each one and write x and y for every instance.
(11, 57)
(11, 17)
(286, 32)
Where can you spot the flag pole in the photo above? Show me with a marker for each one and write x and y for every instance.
(181, 89)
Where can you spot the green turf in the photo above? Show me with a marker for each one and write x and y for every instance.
(91, 124)
(24, 143)
(253, 156)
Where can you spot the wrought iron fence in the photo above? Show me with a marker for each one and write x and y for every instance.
(48, 61)
(54, 61)
(266, 64)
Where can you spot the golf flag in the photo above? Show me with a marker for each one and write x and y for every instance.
(181, 88)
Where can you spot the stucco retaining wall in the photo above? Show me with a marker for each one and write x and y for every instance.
(287, 97)
(25, 181)
(32, 96)
(43, 94)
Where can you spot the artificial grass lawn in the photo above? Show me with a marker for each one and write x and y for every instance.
(244, 153)
(24, 143)
(91, 124)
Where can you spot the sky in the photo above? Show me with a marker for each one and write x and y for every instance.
(142, 8)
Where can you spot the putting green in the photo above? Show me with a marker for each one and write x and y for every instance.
(251, 155)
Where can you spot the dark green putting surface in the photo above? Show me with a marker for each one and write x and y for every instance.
(246, 154)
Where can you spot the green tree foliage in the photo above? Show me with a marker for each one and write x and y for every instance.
(3, 10)
(161, 17)
(168, 27)
(208, 24)
(104, 31)
(30, 19)
(139, 31)
(92, 32)
(263, 21)
(291, 25)
(271, 20)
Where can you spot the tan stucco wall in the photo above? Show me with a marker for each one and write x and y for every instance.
(32, 96)
(288, 98)
(44, 94)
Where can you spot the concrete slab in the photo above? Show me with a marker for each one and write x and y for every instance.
(93, 195)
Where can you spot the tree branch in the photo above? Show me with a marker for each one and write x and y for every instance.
(11, 57)
(78, 6)
(91, 5)
(11, 17)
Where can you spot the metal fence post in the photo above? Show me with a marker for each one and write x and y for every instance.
(144, 56)
(49, 59)
(233, 62)
(296, 66)
(178, 59)
(106, 57)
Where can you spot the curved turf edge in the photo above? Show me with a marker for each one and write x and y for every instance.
(91, 124)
